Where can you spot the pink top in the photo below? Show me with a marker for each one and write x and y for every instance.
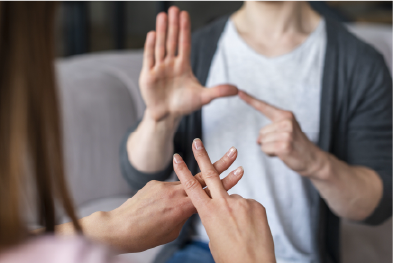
(50, 249)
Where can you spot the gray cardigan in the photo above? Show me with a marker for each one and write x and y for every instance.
(355, 123)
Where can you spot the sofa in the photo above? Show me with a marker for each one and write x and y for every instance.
(100, 99)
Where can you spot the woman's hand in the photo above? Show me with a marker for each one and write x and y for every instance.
(168, 86)
(153, 216)
(237, 227)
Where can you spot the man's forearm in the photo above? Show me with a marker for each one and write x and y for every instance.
(352, 192)
(150, 147)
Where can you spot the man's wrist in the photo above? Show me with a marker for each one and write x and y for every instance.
(320, 169)
(168, 123)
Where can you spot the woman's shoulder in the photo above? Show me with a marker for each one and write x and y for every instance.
(51, 249)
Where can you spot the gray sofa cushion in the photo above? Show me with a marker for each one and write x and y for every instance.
(100, 100)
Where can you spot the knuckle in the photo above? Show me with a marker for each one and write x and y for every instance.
(259, 207)
(191, 184)
(198, 176)
(256, 204)
(172, 192)
(286, 147)
(288, 115)
(210, 174)
(225, 161)
(243, 202)
(288, 125)
(288, 136)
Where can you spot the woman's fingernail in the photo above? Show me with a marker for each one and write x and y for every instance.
(198, 144)
(177, 158)
(231, 152)
(239, 170)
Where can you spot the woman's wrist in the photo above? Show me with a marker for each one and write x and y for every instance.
(93, 226)
(96, 225)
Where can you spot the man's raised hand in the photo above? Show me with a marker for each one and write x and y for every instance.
(168, 86)
(237, 227)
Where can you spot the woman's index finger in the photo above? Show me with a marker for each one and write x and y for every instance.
(209, 173)
(191, 185)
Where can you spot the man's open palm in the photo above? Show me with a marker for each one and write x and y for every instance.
(167, 83)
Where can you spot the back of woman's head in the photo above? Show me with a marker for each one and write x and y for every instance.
(30, 134)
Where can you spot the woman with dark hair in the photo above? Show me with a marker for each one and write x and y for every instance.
(32, 169)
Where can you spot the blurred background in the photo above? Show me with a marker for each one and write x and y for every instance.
(86, 27)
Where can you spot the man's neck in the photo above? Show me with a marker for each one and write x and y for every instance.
(264, 25)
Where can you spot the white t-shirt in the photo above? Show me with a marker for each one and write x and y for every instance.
(291, 82)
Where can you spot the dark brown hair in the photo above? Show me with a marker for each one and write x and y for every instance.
(30, 134)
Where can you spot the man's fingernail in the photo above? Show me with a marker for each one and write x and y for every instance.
(198, 144)
(231, 152)
(177, 158)
(239, 170)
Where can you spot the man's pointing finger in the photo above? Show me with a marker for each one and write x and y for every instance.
(266, 109)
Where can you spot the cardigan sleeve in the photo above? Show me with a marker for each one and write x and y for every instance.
(369, 132)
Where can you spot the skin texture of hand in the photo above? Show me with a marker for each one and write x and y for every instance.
(237, 227)
(153, 216)
(167, 83)
(285, 139)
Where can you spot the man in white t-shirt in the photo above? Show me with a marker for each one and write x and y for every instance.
(273, 55)
(290, 81)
